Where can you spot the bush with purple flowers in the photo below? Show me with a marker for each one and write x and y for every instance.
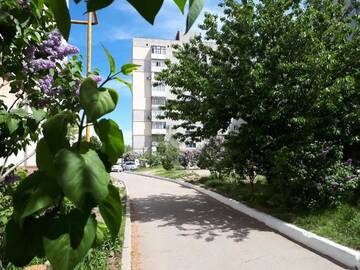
(307, 177)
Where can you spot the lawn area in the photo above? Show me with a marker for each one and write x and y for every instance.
(176, 173)
(341, 224)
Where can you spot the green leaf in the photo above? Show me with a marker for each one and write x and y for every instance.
(82, 177)
(111, 60)
(34, 193)
(23, 243)
(93, 5)
(112, 139)
(129, 68)
(20, 112)
(111, 211)
(60, 251)
(195, 7)
(96, 102)
(55, 130)
(62, 16)
(147, 9)
(38, 115)
(4, 116)
(12, 124)
(45, 157)
(124, 82)
(181, 4)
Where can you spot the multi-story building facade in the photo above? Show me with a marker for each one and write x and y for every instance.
(148, 95)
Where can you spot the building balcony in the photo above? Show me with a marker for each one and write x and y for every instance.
(157, 69)
(155, 93)
(160, 56)
(154, 116)
(158, 131)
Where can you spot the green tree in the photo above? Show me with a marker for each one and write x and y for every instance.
(290, 71)
(169, 154)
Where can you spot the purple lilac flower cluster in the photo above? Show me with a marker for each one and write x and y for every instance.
(25, 4)
(325, 151)
(46, 83)
(348, 162)
(54, 47)
(96, 78)
(57, 48)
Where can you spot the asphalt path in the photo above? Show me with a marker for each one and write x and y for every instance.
(178, 228)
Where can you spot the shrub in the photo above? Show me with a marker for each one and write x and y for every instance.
(213, 157)
(314, 175)
(169, 154)
(131, 156)
(152, 159)
(189, 158)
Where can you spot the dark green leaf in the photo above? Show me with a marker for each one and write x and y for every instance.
(111, 60)
(195, 7)
(93, 5)
(111, 211)
(147, 9)
(55, 130)
(62, 16)
(112, 139)
(34, 193)
(82, 177)
(124, 82)
(23, 243)
(96, 102)
(60, 252)
(45, 157)
(129, 68)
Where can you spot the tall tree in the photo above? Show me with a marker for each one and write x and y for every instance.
(290, 70)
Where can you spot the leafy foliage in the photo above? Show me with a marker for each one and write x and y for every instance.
(189, 158)
(169, 154)
(290, 71)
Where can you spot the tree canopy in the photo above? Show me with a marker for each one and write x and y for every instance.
(290, 70)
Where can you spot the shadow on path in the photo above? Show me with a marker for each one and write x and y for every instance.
(194, 216)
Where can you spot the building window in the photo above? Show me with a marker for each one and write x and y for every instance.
(156, 114)
(159, 125)
(158, 87)
(158, 63)
(158, 49)
(190, 144)
(158, 100)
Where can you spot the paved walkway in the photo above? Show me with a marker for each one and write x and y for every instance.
(177, 228)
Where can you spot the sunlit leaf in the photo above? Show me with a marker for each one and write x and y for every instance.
(82, 177)
(112, 139)
(111, 211)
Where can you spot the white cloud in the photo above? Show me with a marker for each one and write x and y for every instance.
(120, 34)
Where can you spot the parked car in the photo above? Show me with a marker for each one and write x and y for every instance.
(117, 168)
(130, 165)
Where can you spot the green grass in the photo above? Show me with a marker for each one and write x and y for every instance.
(176, 173)
(341, 224)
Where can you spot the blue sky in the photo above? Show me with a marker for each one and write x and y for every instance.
(118, 25)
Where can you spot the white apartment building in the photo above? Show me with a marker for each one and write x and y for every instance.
(151, 54)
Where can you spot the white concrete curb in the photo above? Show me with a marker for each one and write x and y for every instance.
(344, 255)
(126, 250)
